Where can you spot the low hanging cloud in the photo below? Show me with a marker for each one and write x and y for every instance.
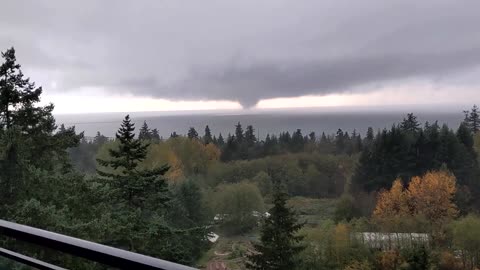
(243, 51)
(250, 84)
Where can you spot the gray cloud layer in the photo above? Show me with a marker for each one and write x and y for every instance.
(243, 50)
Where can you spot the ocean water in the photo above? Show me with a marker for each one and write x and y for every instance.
(263, 122)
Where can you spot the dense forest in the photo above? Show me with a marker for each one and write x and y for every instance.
(292, 200)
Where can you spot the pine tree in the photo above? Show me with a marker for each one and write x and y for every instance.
(297, 141)
(230, 149)
(239, 133)
(132, 184)
(99, 139)
(357, 142)
(464, 135)
(472, 119)
(30, 142)
(340, 142)
(207, 138)
(250, 138)
(15, 91)
(369, 137)
(410, 123)
(280, 243)
(192, 133)
(144, 133)
(220, 140)
(349, 144)
(323, 138)
(155, 135)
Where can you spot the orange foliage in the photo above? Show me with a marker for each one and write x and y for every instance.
(389, 260)
(341, 238)
(432, 196)
(429, 196)
(393, 202)
(175, 172)
(447, 261)
(212, 151)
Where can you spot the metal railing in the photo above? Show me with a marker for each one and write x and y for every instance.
(110, 256)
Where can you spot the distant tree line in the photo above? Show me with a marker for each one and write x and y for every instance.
(408, 149)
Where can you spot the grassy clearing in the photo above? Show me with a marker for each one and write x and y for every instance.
(232, 249)
(313, 211)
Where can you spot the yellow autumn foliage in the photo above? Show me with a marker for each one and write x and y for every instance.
(432, 196)
(429, 197)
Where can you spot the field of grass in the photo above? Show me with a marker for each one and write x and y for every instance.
(313, 211)
(232, 249)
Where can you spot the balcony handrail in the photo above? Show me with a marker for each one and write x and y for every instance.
(110, 256)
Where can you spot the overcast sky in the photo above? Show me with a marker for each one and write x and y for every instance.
(141, 55)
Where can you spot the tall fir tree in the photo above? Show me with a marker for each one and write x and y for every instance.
(207, 138)
(410, 123)
(230, 149)
(369, 137)
(192, 133)
(472, 119)
(239, 135)
(155, 135)
(27, 133)
(132, 184)
(340, 142)
(17, 93)
(220, 140)
(250, 138)
(144, 133)
(298, 143)
(279, 240)
(99, 139)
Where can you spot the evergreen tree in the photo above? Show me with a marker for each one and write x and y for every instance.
(27, 133)
(155, 135)
(173, 134)
(280, 243)
(192, 133)
(214, 140)
(369, 137)
(230, 149)
(220, 140)
(410, 123)
(464, 135)
(189, 213)
(285, 140)
(312, 137)
(464, 162)
(144, 133)
(99, 139)
(349, 144)
(250, 138)
(17, 94)
(207, 138)
(340, 142)
(132, 184)
(323, 139)
(239, 133)
(298, 143)
(357, 142)
(472, 119)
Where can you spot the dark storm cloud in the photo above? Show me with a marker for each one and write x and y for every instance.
(244, 50)
(272, 80)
